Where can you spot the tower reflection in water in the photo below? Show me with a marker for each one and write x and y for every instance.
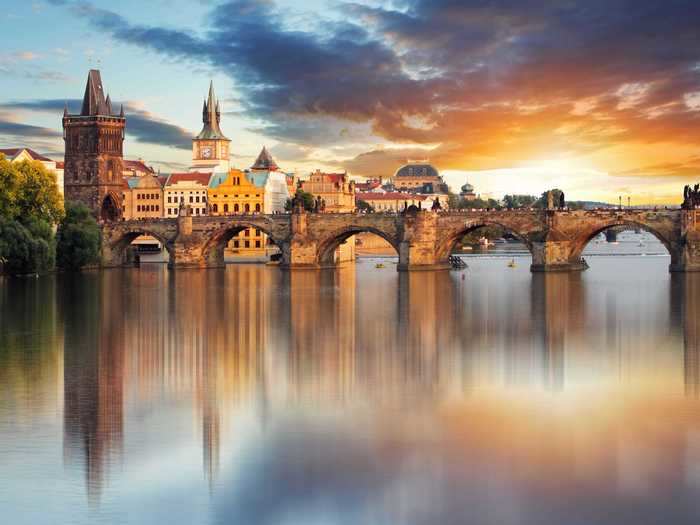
(418, 386)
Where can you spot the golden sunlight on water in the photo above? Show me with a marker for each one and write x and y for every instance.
(251, 395)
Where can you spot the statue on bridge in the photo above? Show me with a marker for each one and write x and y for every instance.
(691, 197)
(562, 201)
(436, 205)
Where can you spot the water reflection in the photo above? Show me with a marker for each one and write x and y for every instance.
(364, 396)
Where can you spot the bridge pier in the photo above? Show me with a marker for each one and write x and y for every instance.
(418, 249)
(556, 256)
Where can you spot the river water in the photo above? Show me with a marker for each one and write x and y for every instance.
(356, 396)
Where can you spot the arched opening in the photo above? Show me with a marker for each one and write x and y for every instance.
(247, 208)
(631, 240)
(225, 208)
(110, 210)
(236, 208)
(486, 243)
(139, 247)
(364, 244)
(241, 243)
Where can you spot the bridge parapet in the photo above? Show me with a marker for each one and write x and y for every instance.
(423, 240)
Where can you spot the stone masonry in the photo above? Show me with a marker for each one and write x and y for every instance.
(422, 239)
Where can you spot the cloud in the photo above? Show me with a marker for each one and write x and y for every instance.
(486, 83)
(141, 125)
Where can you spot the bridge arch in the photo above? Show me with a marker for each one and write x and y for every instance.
(328, 245)
(117, 245)
(213, 249)
(586, 236)
(447, 241)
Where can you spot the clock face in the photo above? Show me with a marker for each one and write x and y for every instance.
(206, 152)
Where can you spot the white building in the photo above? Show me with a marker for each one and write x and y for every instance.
(188, 188)
(265, 173)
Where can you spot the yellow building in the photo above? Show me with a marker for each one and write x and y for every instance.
(235, 193)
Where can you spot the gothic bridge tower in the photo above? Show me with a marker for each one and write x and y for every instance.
(93, 153)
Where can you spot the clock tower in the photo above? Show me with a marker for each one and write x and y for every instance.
(210, 148)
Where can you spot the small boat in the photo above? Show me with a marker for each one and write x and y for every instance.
(379, 265)
(511, 264)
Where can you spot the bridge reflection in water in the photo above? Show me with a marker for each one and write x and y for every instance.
(378, 390)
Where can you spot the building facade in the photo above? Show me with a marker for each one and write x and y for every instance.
(186, 188)
(335, 189)
(210, 148)
(419, 176)
(393, 201)
(21, 154)
(142, 198)
(236, 192)
(93, 152)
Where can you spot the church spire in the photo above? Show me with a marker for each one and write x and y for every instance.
(211, 117)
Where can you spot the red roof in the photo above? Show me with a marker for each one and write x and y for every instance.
(367, 185)
(392, 195)
(137, 165)
(60, 165)
(13, 152)
(189, 176)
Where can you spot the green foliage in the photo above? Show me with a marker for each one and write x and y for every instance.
(21, 252)
(37, 194)
(308, 200)
(519, 201)
(480, 204)
(78, 239)
(453, 201)
(542, 201)
(364, 206)
(9, 183)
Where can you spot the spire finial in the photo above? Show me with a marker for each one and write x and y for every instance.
(121, 110)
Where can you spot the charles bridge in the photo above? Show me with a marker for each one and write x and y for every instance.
(422, 239)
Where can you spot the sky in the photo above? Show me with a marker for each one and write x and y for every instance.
(600, 98)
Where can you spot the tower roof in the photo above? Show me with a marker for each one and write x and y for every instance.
(264, 161)
(94, 101)
(211, 117)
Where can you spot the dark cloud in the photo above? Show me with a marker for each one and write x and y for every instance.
(498, 80)
(16, 129)
(141, 125)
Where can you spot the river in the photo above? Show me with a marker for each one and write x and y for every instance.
(357, 396)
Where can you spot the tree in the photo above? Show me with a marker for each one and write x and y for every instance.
(78, 239)
(20, 252)
(9, 182)
(37, 195)
(542, 201)
(307, 198)
(364, 206)
(453, 201)
(519, 201)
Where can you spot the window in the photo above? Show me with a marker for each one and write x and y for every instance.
(247, 208)
(214, 208)
(235, 208)
(247, 233)
(235, 244)
(247, 244)
(196, 198)
(196, 211)
(157, 207)
(191, 199)
(169, 201)
(225, 208)
(257, 207)
(257, 244)
(257, 232)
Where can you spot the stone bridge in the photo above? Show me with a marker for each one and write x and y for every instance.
(423, 240)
